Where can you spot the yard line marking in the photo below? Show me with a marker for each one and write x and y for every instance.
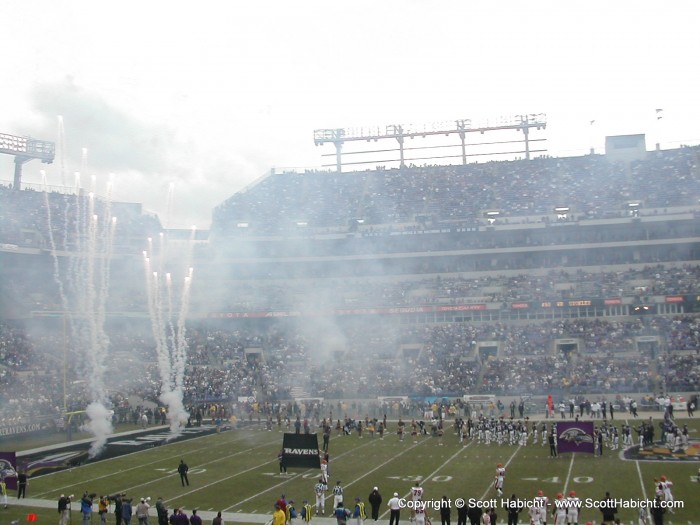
(639, 470)
(504, 466)
(285, 481)
(228, 442)
(568, 474)
(382, 464)
(641, 481)
(461, 449)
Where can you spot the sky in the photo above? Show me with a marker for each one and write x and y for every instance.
(200, 100)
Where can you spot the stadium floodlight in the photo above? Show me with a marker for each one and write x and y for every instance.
(302, 224)
(25, 149)
(242, 225)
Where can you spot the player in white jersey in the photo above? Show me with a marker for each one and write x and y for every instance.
(420, 516)
(513, 434)
(324, 472)
(320, 491)
(543, 433)
(499, 479)
(523, 435)
(481, 433)
(666, 485)
(417, 492)
(615, 439)
(488, 434)
(559, 510)
(416, 495)
(542, 505)
(626, 436)
(534, 513)
(462, 431)
(574, 504)
(643, 518)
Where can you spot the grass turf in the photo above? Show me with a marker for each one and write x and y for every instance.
(237, 471)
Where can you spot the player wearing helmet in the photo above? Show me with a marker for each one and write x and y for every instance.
(499, 479)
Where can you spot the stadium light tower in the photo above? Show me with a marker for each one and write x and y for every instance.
(25, 149)
(461, 127)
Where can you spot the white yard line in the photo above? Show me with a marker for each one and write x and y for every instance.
(639, 471)
(286, 480)
(66, 488)
(505, 466)
(568, 474)
(461, 449)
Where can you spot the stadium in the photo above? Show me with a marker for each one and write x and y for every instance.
(514, 294)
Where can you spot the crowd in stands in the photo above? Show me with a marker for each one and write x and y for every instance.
(339, 359)
(360, 362)
(590, 186)
(29, 218)
(490, 287)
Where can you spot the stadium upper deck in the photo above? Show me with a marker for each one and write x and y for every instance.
(590, 186)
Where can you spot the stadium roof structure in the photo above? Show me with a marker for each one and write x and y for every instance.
(461, 127)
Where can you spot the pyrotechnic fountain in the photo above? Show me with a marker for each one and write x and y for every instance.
(85, 228)
(168, 308)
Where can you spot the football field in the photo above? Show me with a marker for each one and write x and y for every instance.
(237, 472)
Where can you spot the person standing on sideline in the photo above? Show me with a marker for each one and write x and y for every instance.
(127, 511)
(608, 509)
(552, 444)
(514, 510)
(657, 511)
(445, 511)
(22, 483)
(359, 512)
(3, 492)
(416, 496)
(394, 509)
(474, 513)
(64, 510)
(195, 519)
(102, 509)
(462, 514)
(220, 521)
(283, 463)
(341, 514)
(117, 499)
(375, 501)
(162, 512)
(306, 511)
(86, 508)
(320, 489)
(183, 469)
(337, 496)
(573, 508)
(142, 511)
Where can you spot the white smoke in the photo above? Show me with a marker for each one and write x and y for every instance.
(83, 281)
(99, 424)
(168, 311)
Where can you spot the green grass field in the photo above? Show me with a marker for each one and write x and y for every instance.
(237, 472)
